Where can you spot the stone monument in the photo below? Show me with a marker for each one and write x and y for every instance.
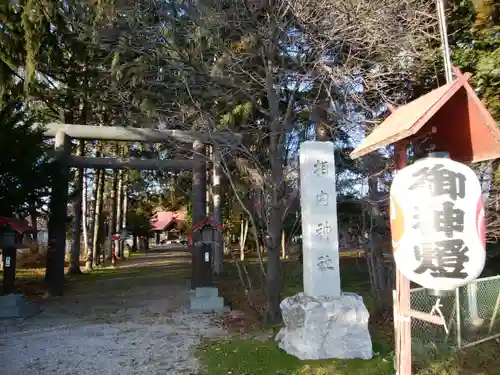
(322, 322)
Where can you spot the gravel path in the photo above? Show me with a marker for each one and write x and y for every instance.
(129, 327)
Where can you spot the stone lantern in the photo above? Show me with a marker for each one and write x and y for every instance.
(201, 242)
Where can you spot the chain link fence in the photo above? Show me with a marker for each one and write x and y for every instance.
(471, 315)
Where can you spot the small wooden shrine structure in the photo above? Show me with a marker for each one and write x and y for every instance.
(12, 232)
(204, 247)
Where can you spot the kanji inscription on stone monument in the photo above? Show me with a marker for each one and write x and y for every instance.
(320, 167)
(325, 263)
(323, 230)
(322, 198)
(319, 220)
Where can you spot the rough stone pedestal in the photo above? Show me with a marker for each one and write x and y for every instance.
(324, 327)
(207, 299)
(15, 306)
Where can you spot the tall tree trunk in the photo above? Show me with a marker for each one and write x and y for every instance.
(273, 237)
(85, 221)
(243, 238)
(106, 223)
(118, 221)
(273, 243)
(112, 216)
(124, 212)
(135, 246)
(378, 269)
(34, 224)
(144, 244)
(76, 234)
(218, 265)
(97, 216)
(227, 209)
(103, 218)
(283, 245)
(125, 202)
(273, 240)
(95, 192)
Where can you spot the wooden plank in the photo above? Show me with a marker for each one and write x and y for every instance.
(402, 323)
(434, 319)
(130, 134)
(140, 164)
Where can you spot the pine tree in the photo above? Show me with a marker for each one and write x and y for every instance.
(474, 27)
(23, 167)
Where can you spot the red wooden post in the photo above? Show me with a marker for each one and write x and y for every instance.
(402, 324)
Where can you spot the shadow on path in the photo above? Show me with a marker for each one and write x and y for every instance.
(129, 320)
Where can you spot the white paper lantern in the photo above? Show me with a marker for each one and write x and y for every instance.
(437, 223)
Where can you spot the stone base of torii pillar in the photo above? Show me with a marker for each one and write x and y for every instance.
(322, 322)
(207, 299)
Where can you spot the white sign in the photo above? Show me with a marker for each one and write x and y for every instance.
(318, 197)
(437, 223)
(7, 261)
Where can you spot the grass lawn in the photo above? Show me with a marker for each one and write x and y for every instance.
(255, 357)
(30, 280)
(256, 353)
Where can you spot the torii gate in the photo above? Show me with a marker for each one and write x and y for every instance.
(63, 160)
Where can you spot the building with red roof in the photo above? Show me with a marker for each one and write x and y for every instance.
(168, 225)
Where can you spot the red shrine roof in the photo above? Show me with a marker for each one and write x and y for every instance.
(404, 121)
(16, 224)
(208, 220)
(453, 114)
(163, 219)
